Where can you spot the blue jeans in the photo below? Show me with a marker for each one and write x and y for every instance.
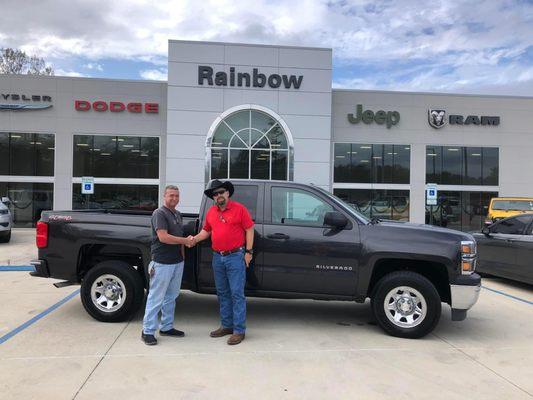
(165, 284)
(230, 277)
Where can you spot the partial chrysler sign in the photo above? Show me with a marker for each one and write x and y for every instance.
(30, 102)
(437, 119)
(380, 117)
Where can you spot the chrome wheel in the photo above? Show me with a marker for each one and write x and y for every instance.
(405, 307)
(108, 293)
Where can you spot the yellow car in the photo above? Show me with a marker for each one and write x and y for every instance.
(503, 207)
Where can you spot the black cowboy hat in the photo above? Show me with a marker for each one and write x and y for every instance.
(216, 184)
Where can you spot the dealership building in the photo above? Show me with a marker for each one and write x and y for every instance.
(240, 111)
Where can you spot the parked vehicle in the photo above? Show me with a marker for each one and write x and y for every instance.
(6, 221)
(308, 245)
(504, 207)
(506, 248)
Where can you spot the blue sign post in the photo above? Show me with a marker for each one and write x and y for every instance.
(431, 199)
(87, 187)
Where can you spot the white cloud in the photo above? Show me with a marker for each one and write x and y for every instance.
(61, 72)
(154, 74)
(475, 38)
(94, 66)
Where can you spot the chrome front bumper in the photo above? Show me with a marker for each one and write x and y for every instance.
(464, 296)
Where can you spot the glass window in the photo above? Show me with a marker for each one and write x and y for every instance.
(249, 145)
(382, 204)
(239, 164)
(292, 206)
(28, 200)
(454, 165)
(27, 154)
(367, 163)
(133, 197)
(452, 160)
(433, 164)
(513, 205)
(116, 156)
(490, 166)
(22, 155)
(4, 153)
(472, 165)
(512, 226)
(219, 163)
(461, 210)
(246, 195)
(44, 154)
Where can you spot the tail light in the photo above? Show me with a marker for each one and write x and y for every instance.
(42, 235)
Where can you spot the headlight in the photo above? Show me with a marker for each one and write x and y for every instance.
(3, 212)
(468, 257)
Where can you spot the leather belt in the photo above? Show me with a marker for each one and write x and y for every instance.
(228, 252)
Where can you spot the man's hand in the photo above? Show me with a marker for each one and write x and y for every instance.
(191, 241)
(247, 259)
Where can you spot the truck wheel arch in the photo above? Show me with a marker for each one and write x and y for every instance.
(91, 254)
(435, 272)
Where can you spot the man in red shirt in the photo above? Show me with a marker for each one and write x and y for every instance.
(232, 237)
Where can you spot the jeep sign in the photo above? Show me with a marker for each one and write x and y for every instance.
(380, 117)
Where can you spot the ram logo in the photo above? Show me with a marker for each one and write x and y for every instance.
(437, 118)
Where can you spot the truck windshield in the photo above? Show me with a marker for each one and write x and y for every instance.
(345, 206)
(513, 205)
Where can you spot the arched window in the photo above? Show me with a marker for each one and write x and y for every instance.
(249, 144)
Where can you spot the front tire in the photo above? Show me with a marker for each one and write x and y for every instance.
(406, 304)
(112, 291)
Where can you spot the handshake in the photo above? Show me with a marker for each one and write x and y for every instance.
(190, 241)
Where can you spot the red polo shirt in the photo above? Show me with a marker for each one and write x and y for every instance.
(227, 227)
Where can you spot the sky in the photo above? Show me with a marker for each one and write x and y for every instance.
(454, 46)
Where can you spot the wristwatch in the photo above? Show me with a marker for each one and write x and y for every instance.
(249, 251)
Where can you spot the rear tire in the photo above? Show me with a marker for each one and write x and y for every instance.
(112, 291)
(5, 238)
(406, 304)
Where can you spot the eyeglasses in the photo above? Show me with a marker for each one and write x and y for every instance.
(218, 192)
(220, 217)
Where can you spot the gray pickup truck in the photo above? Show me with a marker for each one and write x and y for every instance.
(308, 245)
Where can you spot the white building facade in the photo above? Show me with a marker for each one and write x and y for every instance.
(258, 112)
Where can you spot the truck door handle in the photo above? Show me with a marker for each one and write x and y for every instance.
(278, 236)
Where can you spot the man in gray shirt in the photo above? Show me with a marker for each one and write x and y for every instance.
(166, 268)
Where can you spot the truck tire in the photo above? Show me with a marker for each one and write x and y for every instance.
(6, 238)
(406, 304)
(112, 291)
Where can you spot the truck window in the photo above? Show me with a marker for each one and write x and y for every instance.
(244, 194)
(512, 226)
(291, 206)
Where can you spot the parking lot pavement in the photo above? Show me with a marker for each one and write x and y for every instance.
(293, 349)
(20, 249)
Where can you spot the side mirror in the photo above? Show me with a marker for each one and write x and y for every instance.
(335, 219)
(6, 201)
(486, 230)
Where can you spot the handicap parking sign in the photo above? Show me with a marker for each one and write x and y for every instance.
(87, 185)
(431, 195)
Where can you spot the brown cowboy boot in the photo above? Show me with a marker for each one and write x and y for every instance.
(221, 332)
(236, 338)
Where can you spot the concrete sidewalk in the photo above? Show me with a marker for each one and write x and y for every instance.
(293, 350)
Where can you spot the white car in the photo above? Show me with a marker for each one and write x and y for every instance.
(6, 222)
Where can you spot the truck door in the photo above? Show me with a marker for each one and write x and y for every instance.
(499, 251)
(300, 254)
(251, 196)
